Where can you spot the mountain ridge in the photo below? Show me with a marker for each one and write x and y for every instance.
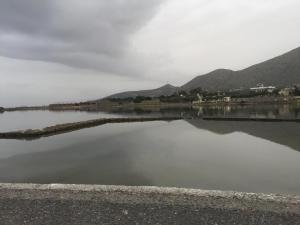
(280, 71)
(166, 90)
(283, 70)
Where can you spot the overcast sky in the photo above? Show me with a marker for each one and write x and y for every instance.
(72, 50)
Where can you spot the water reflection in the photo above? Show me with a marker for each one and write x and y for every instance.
(253, 111)
(193, 153)
(83, 163)
(284, 133)
(20, 120)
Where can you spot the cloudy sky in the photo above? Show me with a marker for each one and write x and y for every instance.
(72, 50)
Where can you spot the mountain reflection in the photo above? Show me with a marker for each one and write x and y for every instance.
(284, 133)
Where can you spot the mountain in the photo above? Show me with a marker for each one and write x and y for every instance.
(281, 71)
(217, 80)
(164, 90)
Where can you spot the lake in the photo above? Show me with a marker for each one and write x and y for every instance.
(192, 153)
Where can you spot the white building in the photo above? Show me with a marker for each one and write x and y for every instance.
(262, 88)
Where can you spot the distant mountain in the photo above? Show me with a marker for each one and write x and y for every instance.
(164, 90)
(281, 71)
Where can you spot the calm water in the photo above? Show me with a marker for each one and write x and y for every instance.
(242, 156)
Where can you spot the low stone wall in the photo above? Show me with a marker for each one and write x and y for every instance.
(94, 204)
(67, 127)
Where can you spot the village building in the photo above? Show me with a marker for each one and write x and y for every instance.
(285, 92)
(227, 99)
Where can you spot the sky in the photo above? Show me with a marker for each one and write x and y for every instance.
(56, 51)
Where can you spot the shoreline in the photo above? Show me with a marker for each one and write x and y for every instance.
(94, 106)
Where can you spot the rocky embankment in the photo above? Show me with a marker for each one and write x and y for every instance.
(67, 127)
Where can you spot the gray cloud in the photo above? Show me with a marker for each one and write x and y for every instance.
(152, 42)
(90, 34)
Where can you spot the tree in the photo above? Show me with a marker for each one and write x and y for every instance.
(139, 99)
(297, 90)
(196, 91)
